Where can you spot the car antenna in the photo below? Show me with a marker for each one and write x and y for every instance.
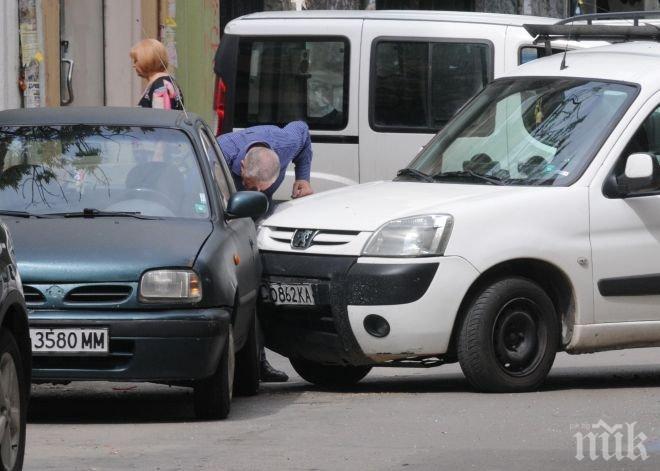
(185, 112)
(563, 65)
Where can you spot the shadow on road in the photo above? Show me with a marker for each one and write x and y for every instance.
(146, 403)
(563, 378)
(84, 403)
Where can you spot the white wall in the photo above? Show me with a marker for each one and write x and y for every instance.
(122, 29)
(9, 94)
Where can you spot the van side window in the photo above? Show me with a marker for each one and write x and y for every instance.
(283, 79)
(530, 53)
(417, 86)
(646, 140)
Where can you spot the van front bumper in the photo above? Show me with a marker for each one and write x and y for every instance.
(418, 298)
(158, 346)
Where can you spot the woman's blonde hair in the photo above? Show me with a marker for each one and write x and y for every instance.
(150, 56)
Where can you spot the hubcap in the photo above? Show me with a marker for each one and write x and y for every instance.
(10, 412)
(519, 337)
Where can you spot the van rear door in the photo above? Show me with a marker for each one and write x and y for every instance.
(280, 70)
(420, 73)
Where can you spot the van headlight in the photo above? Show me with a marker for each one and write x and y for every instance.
(183, 286)
(416, 236)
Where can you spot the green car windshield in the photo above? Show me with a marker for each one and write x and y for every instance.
(536, 131)
(56, 170)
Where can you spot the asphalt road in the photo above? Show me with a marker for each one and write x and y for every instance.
(395, 419)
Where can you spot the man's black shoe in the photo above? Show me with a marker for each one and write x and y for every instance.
(271, 375)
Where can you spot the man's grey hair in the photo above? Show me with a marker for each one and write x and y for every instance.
(262, 164)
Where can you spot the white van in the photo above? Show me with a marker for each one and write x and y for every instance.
(529, 224)
(373, 86)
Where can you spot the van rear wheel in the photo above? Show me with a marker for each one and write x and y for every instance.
(509, 337)
(329, 376)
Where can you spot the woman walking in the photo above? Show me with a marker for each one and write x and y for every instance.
(150, 61)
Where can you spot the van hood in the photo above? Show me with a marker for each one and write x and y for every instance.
(74, 250)
(368, 206)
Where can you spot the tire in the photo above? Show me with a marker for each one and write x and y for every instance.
(212, 396)
(509, 337)
(246, 376)
(329, 376)
(13, 403)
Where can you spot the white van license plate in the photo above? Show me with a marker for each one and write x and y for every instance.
(285, 293)
(69, 341)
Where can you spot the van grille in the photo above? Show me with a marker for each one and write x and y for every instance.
(323, 237)
(33, 295)
(98, 294)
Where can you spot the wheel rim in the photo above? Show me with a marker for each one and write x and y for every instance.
(519, 337)
(10, 411)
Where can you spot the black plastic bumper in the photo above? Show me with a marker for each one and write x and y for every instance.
(160, 346)
(322, 332)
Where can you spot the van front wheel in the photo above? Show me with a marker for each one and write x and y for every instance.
(509, 337)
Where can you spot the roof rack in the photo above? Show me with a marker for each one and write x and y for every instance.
(567, 29)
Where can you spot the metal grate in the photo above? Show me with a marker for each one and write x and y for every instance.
(98, 294)
(33, 295)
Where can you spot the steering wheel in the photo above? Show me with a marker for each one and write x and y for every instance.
(151, 195)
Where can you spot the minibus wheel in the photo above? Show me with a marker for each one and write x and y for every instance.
(329, 376)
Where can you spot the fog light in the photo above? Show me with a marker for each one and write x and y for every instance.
(376, 325)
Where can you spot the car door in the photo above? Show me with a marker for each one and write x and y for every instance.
(242, 231)
(625, 233)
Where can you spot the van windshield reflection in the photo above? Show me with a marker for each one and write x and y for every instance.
(525, 132)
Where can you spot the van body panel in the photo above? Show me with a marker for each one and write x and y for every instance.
(384, 152)
(365, 149)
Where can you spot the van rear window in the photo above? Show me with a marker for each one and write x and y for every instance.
(417, 86)
(283, 79)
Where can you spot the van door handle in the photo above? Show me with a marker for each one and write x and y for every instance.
(69, 83)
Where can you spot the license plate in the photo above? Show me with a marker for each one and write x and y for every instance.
(69, 341)
(300, 294)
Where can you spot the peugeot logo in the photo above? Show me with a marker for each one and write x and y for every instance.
(303, 238)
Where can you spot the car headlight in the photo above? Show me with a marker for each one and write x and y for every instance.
(170, 286)
(417, 236)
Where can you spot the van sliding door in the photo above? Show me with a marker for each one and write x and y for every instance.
(419, 74)
(310, 73)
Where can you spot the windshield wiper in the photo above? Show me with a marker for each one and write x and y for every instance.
(469, 173)
(97, 213)
(411, 172)
(21, 214)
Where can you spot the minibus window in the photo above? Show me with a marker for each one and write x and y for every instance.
(417, 86)
(283, 79)
(530, 53)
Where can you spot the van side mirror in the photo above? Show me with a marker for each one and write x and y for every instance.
(638, 176)
(247, 204)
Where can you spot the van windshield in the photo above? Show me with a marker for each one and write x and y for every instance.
(536, 131)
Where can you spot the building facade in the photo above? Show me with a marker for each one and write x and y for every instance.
(76, 52)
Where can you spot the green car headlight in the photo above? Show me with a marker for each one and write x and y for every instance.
(170, 286)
